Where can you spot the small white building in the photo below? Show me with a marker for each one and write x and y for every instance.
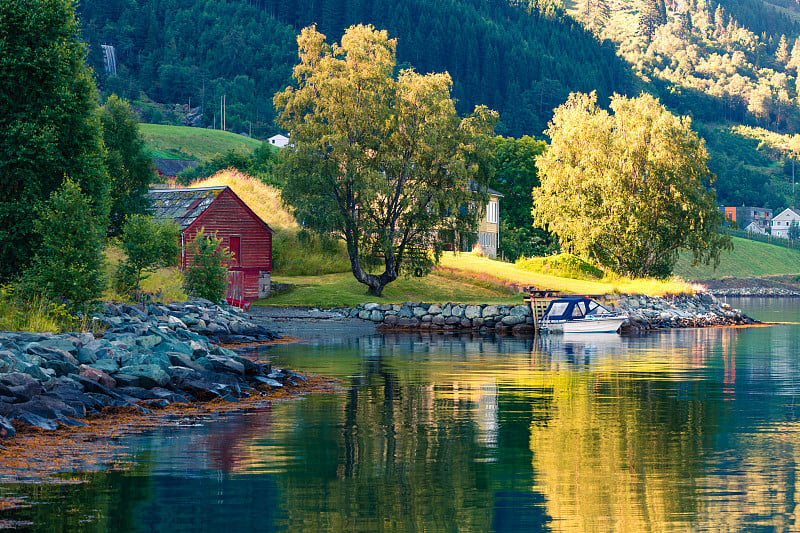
(754, 227)
(279, 140)
(782, 221)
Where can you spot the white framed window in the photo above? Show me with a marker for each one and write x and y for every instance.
(491, 212)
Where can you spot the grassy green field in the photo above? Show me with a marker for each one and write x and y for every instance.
(199, 144)
(336, 290)
(748, 259)
(463, 278)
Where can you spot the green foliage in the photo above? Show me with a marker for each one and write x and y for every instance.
(628, 189)
(258, 163)
(519, 57)
(207, 273)
(23, 311)
(794, 231)
(563, 265)
(525, 242)
(130, 170)
(379, 160)
(515, 176)
(307, 253)
(68, 267)
(48, 119)
(148, 245)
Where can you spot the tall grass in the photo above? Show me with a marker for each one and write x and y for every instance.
(34, 313)
(609, 283)
(562, 265)
(164, 285)
(302, 253)
(264, 200)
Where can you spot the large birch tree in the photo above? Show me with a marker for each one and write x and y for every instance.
(381, 161)
(628, 188)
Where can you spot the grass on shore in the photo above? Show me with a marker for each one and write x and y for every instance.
(748, 259)
(607, 285)
(462, 278)
(342, 290)
(198, 144)
(36, 314)
(166, 284)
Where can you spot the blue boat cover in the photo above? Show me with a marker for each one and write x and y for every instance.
(573, 308)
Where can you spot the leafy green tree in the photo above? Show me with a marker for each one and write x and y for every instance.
(69, 263)
(794, 231)
(628, 189)
(379, 161)
(48, 120)
(148, 245)
(794, 58)
(515, 176)
(206, 276)
(130, 169)
(782, 52)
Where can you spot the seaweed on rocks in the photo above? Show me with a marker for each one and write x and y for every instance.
(147, 357)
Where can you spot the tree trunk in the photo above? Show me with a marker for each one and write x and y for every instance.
(374, 282)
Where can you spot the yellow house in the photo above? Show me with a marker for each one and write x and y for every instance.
(489, 226)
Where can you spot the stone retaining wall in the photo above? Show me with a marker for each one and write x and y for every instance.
(450, 316)
(645, 313)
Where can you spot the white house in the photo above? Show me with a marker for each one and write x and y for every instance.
(489, 226)
(782, 221)
(279, 140)
(755, 227)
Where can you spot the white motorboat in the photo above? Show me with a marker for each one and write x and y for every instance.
(579, 314)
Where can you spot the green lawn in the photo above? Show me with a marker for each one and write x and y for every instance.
(511, 273)
(337, 290)
(748, 259)
(199, 144)
(468, 279)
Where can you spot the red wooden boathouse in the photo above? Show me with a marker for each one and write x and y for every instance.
(218, 211)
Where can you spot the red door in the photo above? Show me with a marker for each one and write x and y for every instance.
(236, 250)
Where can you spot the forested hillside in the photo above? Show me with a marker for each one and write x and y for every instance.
(521, 60)
(723, 71)
(727, 64)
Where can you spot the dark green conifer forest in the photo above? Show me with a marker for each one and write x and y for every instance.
(731, 66)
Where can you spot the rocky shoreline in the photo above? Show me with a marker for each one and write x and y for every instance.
(144, 357)
(757, 292)
(147, 357)
(644, 312)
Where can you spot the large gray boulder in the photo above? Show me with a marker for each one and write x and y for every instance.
(148, 376)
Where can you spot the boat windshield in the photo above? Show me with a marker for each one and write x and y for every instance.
(595, 309)
(572, 309)
(557, 309)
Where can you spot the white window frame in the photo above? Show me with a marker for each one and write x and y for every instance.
(491, 213)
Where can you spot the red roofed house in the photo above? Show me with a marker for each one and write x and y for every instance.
(218, 211)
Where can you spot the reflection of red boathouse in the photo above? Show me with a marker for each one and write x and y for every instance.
(218, 211)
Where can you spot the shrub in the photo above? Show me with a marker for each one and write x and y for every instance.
(307, 253)
(207, 274)
(148, 246)
(563, 265)
(69, 265)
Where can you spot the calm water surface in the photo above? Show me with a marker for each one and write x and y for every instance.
(693, 430)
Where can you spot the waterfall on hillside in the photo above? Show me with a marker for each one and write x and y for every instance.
(109, 59)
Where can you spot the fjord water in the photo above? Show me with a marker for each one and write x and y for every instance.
(671, 431)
